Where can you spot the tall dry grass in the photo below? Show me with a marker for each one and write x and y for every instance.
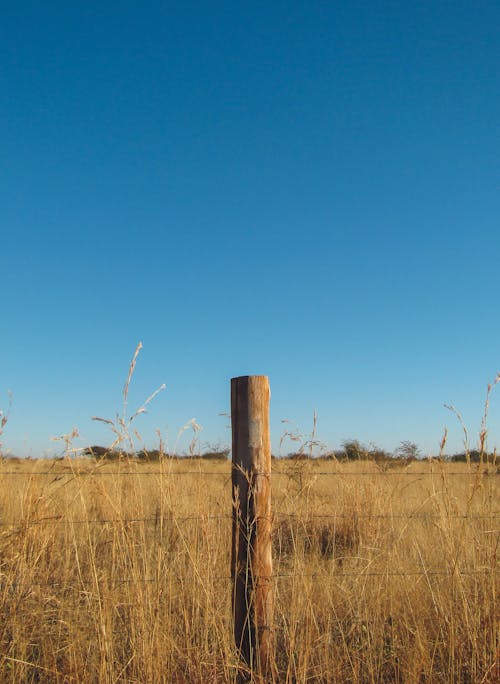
(119, 572)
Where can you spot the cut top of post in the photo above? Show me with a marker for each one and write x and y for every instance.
(250, 395)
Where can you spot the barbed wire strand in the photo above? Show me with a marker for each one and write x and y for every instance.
(327, 473)
(293, 516)
(227, 578)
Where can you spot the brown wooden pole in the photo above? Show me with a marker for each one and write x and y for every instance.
(251, 566)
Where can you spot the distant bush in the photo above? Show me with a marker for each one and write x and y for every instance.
(353, 450)
(408, 450)
(145, 455)
(473, 456)
(95, 451)
(105, 453)
(296, 456)
(217, 454)
(380, 456)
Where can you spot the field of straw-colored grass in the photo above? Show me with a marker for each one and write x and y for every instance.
(120, 572)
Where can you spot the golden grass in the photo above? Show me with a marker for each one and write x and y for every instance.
(119, 572)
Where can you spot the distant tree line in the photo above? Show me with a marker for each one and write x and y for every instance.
(214, 453)
(351, 450)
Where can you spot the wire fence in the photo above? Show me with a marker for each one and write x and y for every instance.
(332, 576)
(279, 473)
(335, 573)
(59, 520)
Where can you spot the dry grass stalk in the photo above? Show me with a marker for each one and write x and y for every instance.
(122, 425)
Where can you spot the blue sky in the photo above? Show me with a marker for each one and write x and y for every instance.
(307, 190)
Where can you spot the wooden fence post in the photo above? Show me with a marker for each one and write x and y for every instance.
(251, 565)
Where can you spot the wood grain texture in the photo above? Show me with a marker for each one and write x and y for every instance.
(251, 544)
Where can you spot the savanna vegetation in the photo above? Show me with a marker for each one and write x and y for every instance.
(119, 571)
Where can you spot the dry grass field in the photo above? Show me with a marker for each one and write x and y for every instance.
(120, 572)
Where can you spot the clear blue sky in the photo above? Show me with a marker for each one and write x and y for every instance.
(307, 190)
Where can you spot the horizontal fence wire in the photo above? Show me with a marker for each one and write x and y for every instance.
(227, 578)
(115, 521)
(280, 473)
(389, 516)
(162, 519)
(107, 473)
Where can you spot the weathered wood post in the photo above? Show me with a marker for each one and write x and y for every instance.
(251, 566)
